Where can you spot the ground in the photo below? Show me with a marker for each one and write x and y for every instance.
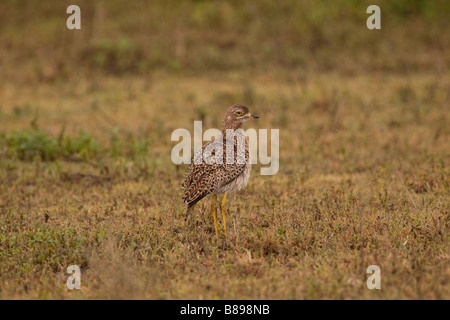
(365, 183)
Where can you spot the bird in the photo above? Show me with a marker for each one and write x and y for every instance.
(220, 166)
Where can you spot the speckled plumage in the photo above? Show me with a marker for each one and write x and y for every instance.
(212, 170)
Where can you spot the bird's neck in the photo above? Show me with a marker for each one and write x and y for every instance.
(237, 129)
(230, 125)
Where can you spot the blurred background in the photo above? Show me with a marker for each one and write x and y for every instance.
(139, 37)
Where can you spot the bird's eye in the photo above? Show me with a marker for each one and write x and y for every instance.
(239, 113)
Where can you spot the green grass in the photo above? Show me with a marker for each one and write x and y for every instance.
(36, 144)
(86, 176)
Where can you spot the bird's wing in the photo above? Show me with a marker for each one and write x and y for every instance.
(205, 176)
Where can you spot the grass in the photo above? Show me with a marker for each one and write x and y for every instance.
(86, 176)
(30, 144)
(194, 37)
(337, 205)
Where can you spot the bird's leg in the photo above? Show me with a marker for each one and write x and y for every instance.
(213, 205)
(187, 212)
(223, 213)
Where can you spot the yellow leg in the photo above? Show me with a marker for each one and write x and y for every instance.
(223, 213)
(213, 205)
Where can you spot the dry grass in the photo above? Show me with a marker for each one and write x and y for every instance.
(336, 206)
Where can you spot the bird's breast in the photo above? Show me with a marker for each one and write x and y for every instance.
(238, 183)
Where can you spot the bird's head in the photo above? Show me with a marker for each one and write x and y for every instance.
(235, 116)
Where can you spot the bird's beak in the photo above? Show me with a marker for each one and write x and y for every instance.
(252, 116)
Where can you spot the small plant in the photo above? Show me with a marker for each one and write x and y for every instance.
(83, 145)
(30, 144)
